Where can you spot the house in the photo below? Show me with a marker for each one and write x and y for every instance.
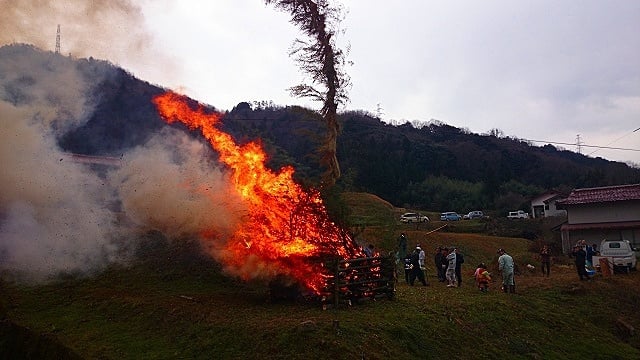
(595, 214)
(545, 205)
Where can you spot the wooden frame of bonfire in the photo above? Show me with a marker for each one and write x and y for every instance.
(355, 280)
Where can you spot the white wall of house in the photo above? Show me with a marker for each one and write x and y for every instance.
(543, 207)
(604, 212)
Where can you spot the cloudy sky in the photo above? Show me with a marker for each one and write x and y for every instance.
(539, 70)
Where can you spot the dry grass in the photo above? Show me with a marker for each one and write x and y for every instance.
(176, 304)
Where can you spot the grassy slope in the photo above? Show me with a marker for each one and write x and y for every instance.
(172, 306)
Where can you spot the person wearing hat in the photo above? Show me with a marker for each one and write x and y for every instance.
(505, 265)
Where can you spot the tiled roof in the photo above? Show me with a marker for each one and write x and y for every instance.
(603, 194)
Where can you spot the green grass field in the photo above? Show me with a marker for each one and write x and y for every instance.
(175, 304)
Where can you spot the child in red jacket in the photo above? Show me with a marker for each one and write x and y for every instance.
(482, 277)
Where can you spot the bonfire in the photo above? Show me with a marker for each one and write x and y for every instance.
(287, 231)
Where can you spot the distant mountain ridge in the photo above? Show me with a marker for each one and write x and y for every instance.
(436, 166)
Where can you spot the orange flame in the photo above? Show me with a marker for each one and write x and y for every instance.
(287, 230)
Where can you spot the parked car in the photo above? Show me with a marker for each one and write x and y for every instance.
(620, 254)
(518, 215)
(473, 215)
(450, 216)
(413, 217)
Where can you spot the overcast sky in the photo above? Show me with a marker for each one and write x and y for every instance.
(539, 70)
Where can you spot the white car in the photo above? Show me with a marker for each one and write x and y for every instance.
(413, 217)
(518, 215)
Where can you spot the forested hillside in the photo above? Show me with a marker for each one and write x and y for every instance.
(433, 167)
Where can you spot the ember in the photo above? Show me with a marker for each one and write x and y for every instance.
(287, 231)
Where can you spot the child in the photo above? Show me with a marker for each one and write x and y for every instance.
(482, 277)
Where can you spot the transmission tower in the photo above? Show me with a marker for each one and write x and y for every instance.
(58, 40)
(379, 111)
(579, 144)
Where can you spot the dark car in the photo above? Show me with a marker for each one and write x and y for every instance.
(473, 215)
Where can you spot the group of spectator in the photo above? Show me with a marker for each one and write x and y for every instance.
(448, 264)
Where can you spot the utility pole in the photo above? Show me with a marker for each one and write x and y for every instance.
(58, 40)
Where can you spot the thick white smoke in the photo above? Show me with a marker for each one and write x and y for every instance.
(59, 216)
(54, 215)
(172, 185)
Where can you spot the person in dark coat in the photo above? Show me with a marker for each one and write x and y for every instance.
(407, 267)
(581, 261)
(402, 245)
(438, 262)
(416, 271)
(459, 262)
(545, 258)
(444, 264)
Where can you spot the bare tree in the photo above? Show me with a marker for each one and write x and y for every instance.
(323, 61)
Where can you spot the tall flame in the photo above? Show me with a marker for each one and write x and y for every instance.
(287, 230)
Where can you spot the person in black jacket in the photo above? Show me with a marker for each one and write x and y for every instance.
(581, 261)
(438, 262)
(459, 262)
(416, 271)
(444, 264)
(407, 267)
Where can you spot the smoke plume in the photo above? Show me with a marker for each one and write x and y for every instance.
(61, 216)
(172, 185)
(103, 29)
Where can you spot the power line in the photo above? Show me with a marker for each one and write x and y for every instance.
(581, 144)
(625, 135)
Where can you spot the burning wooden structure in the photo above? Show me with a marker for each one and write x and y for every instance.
(360, 279)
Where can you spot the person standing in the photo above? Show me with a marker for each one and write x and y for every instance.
(421, 258)
(416, 272)
(505, 265)
(459, 262)
(581, 261)
(402, 245)
(438, 263)
(445, 263)
(451, 268)
(545, 258)
(407, 267)
(421, 255)
(590, 252)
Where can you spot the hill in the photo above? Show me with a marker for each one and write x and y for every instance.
(428, 165)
